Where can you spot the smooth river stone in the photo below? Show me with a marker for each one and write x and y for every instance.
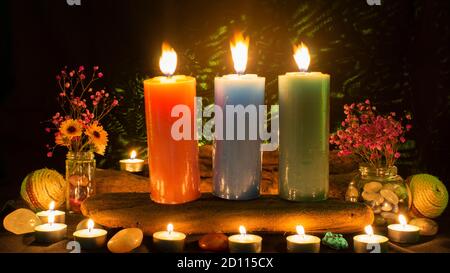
(126, 240)
(216, 242)
(21, 221)
(373, 186)
(427, 226)
(390, 196)
(370, 196)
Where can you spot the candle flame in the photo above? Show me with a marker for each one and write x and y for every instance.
(168, 60)
(51, 219)
(170, 228)
(90, 225)
(300, 230)
(402, 220)
(133, 154)
(369, 230)
(239, 52)
(301, 56)
(52, 205)
(242, 230)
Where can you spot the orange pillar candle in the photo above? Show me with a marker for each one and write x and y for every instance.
(173, 163)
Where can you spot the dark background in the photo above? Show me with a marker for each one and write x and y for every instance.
(396, 54)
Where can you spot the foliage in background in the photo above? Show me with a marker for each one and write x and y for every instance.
(370, 52)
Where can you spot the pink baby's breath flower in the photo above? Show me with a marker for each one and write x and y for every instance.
(67, 85)
(397, 155)
(47, 130)
(49, 154)
(95, 68)
(100, 75)
(81, 68)
(82, 77)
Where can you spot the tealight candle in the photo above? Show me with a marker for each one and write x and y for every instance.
(51, 232)
(90, 238)
(244, 243)
(403, 233)
(369, 242)
(133, 164)
(169, 241)
(60, 216)
(302, 242)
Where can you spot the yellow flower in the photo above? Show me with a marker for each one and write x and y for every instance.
(100, 149)
(98, 137)
(71, 128)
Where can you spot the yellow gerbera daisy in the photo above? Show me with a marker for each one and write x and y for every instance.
(71, 128)
(97, 136)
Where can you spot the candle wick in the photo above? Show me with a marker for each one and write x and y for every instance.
(303, 70)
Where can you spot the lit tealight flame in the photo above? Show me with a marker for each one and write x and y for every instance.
(133, 154)
(239, 52)
(300, 230)
(402, 220)
(51, 206)
(369, 230)
(51, 219)
(301, 56)
(168, 60)
(242, 230)
(170, 228)
(90, 225)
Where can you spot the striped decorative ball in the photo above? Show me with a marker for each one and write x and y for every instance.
(41, 187)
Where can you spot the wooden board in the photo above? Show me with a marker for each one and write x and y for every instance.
(211, 214)
(113, 181)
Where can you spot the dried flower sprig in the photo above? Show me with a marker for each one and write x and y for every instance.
(375, 138)
(77, 126)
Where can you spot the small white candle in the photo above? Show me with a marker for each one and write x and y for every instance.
(59, 216)
(370, 242)
(169, 241)
(302, 242)
(403, 233)
(90, 238)
(132, 164)
(244, 243)
(51, 232)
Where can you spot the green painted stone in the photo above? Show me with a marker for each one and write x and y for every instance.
(335, 241)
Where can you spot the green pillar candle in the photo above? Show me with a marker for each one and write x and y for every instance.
(304, 99)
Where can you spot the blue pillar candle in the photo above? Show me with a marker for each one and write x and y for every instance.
(304, 99)
(237, 157)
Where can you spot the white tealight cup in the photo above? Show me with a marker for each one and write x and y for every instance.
(244, 243)
(370, 243)
(169, 241)
(403, 233)
(303, 243)
(91, 238)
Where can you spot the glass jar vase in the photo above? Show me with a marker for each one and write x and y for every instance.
(80, 170)
(383, 190)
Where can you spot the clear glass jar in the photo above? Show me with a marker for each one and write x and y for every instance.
(80, 170)
(383, 190)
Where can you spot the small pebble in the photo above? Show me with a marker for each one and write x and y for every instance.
(370, 196)
(390, 196)
(373, 186)
(427, 226)
(216, 242)
(386, 206)
(125, 240)
(376, 210)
